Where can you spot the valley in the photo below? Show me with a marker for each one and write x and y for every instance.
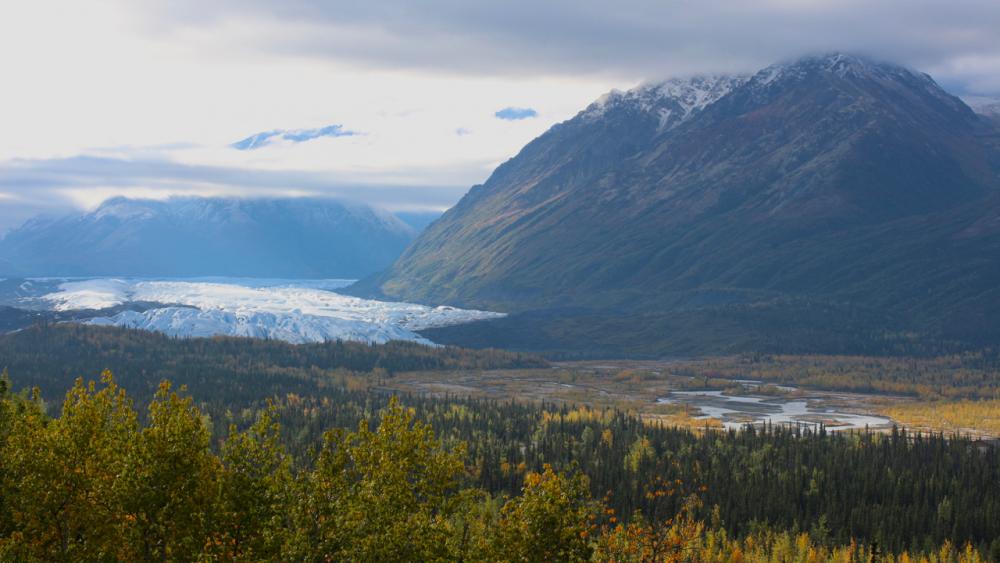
(840, 392)
(743, 316)
(695, 394)
(506, 416)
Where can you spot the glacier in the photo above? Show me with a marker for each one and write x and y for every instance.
(296, 311)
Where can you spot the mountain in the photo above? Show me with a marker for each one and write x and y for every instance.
(833, 203)
(295, 237)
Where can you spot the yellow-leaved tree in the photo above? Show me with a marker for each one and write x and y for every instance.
(61, 475)
(169, 483)
(255, 489)
(552, 520)
(387, 494)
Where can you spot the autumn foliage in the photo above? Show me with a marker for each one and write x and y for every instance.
(96, 484)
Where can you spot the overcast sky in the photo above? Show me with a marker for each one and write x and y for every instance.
(400, 103)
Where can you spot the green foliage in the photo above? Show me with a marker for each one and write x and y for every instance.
(255, 491)
(170, 478)
(63, 475)
(18, 415)
(222, 372)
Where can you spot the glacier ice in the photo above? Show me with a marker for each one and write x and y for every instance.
(295, 311)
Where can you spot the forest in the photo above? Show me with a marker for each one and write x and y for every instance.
(367, 476)
(260, 450)
(96, 484)
(223, 372)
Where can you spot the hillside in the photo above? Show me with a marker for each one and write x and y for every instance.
(829, 204)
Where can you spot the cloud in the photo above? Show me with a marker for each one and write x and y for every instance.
(415, 78)
(514, 114)
(629, 39)
(259, 140)
(85, 181)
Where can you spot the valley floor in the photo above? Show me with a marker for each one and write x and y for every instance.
(702, 393)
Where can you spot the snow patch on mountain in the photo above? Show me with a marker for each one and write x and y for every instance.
(125, 209)
(841, 65)
(673, 101)
(847, 67)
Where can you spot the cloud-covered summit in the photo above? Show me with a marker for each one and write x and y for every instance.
(957, 41)
(414, 82)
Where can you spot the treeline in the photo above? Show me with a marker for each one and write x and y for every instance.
(95, 484)
(239, 370)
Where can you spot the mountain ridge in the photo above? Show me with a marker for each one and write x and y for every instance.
(815, 181)
(190, 236)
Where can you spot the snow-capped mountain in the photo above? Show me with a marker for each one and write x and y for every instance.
(848, 69)
(838, 64)
(813, 198)
(672, 102)
(293, 237)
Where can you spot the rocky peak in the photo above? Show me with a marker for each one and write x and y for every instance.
(671, 101)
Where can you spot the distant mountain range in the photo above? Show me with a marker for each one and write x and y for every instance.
(293, 238)
(833, 203)
(984, 105)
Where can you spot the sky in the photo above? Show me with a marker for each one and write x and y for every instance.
(403, 104)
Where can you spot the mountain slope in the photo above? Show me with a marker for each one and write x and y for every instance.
(831, 182)
(209, 236)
